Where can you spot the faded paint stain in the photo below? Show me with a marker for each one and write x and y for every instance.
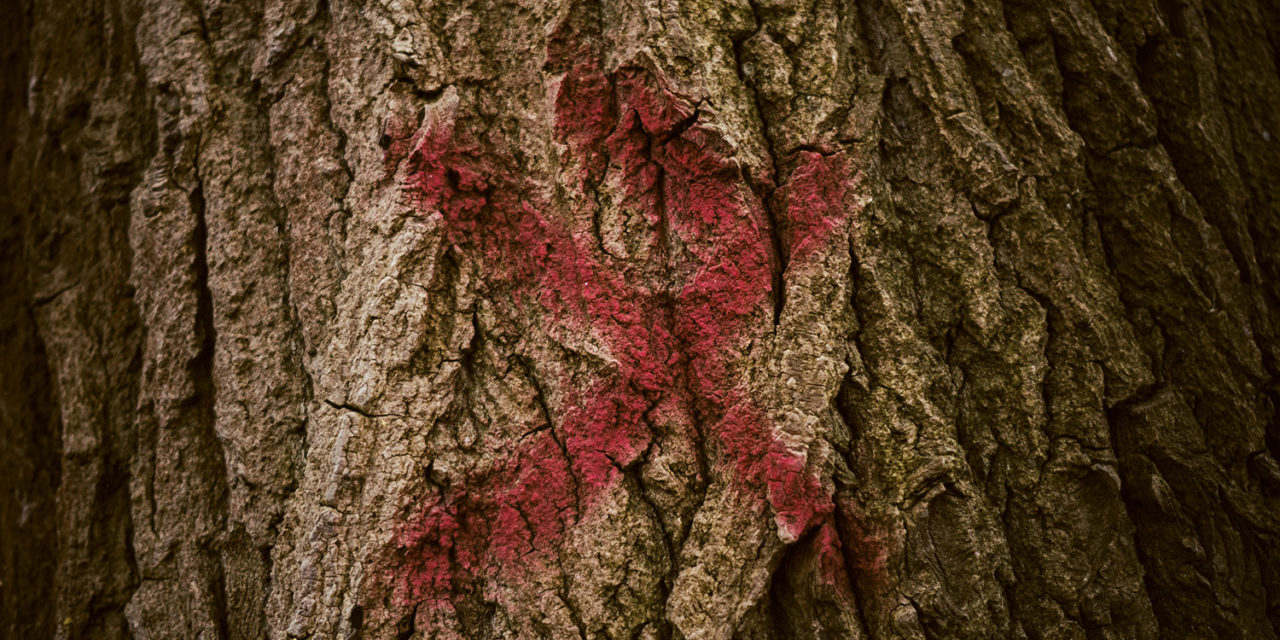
(675, 346)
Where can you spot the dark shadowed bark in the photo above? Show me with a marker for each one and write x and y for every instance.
(677, 319)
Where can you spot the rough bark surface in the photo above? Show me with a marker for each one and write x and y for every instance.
(702, 319)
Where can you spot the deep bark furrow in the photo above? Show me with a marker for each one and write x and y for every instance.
(732, 320)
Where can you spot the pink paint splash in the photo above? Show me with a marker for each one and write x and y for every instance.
(814, 201)
(826, 547)
(868, 553)
(674, 346)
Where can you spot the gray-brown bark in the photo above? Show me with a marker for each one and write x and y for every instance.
(679, 319)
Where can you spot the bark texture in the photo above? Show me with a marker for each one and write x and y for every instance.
(700, 319)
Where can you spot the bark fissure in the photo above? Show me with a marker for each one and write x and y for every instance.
(708, 319)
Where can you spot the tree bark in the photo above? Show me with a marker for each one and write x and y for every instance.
(698, 319)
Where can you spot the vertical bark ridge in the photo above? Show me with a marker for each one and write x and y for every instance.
(722, 319)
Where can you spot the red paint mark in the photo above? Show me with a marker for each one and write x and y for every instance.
(674, 346)
(814, 200)
(830, 554)
(868, 552)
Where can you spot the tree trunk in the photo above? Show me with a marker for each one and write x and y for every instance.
(701, 319)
